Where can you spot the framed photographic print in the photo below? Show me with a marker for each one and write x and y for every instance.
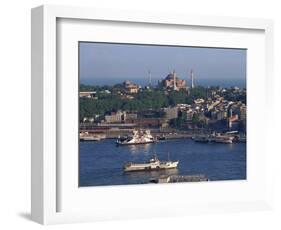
(137, 115)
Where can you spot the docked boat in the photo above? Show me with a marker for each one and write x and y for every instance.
(218, 138)
(215, 138)
(153, 164)
(202, 138)
(138, 137)
(85, 136)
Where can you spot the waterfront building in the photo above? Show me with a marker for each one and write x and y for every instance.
(171, 112)
(149, 122)
(115, 117)
(173, 82)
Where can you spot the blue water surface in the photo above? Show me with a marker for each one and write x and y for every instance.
(100, 163)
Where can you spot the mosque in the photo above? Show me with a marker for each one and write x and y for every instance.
(173, 82)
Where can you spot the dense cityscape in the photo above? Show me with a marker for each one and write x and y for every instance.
(171, 105)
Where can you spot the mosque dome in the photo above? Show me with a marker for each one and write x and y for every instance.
(170, 76)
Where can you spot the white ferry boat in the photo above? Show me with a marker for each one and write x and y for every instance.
(153, 164)
(138, 137)
(219, 138)
(85, 136)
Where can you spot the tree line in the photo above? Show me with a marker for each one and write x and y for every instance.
(146, 99)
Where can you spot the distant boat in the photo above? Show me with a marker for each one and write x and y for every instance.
(202, 138)
(217, 138)
(85, 136)
(153, 164)
(138, 137)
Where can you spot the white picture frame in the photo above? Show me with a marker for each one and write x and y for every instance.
(47, 176)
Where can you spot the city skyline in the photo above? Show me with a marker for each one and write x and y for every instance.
(110, 63)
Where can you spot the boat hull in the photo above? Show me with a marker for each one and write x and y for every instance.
(90, 139)
(134, 143)
(136, 168)
(224, 141)
(202, 140)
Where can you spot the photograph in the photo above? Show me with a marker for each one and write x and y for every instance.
(155, 114)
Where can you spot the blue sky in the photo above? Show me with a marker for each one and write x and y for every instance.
(108, 63)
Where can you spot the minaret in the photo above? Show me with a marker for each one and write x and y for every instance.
(192, 78)
(175, 83)
(149, 78)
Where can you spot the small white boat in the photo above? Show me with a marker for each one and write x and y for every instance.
(85, 136)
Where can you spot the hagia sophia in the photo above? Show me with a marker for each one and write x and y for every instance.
(173, 82)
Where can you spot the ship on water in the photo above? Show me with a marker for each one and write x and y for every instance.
(85, 136)
(153, 164)
(217, 138)
(220, 138)
(138, 137)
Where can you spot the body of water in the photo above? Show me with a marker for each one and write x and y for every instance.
(100, 163)
(206, 82)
